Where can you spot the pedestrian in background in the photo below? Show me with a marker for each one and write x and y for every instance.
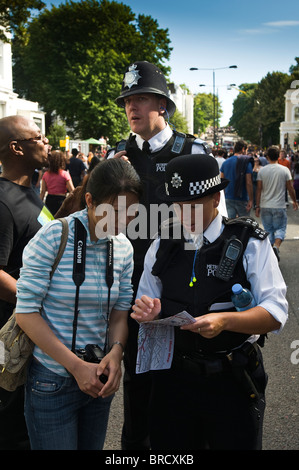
(75, 201)
(239, 192)
(273, 181)
(23, 149)
(56, 181)
(67, 400)
(76, 168)
(221, 156)
(296, 175)
(256, 168)
(284, 160)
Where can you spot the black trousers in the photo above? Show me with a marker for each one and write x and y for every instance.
(13, 430)
(136, 389)
(136, 393)
(193, 412)
(53, 202)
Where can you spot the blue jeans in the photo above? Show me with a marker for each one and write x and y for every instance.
(61, 417)
(236, 208)
(274, 222)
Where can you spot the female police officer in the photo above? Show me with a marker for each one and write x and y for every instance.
(212, 396)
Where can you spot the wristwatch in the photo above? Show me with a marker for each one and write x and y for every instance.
(119, 343)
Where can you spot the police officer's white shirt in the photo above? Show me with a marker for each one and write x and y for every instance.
(260, 265)
(158, 141)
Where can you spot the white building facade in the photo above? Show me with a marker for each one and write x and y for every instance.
(289, 128)
(184, 102)
(10, 104)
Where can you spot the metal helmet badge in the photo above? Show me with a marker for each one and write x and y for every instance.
(132, 76)
(176, 180)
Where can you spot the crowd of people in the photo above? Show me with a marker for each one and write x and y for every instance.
(64, 172)
(90, 314)
(258, 159)
(262, 181)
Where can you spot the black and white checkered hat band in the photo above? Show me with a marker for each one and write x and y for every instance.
(200, 187)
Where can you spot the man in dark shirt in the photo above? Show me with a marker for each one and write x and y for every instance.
(22, 150)
(77, 168)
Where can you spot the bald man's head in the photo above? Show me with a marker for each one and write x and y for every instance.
(15, 128)
(21, 145)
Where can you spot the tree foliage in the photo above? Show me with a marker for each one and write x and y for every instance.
(294, 69)
(245, 117)
(179, 122)
(204, 111)
(259, 110)
(56, 133)
(13, 14)
(77, 68)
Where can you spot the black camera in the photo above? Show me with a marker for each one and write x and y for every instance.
(92, 353)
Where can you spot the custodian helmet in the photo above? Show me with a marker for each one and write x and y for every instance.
(144, 77)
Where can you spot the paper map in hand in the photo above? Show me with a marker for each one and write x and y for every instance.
(156, 342)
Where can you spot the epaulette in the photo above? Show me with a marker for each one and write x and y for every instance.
(204, 144)
(179, 142)
(248, 222)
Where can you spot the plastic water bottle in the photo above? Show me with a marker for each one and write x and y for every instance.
(242, 298)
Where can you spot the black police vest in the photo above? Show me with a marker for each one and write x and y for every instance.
(151, 170)
(151, 167)
(208, 294)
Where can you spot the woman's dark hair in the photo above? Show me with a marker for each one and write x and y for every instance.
(57, 161)
(110, 178)
(93, 163)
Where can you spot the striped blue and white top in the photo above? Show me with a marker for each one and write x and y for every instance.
(57, 297)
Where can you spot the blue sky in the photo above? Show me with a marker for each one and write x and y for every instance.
(259, 36)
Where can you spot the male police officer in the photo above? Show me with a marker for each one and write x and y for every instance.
(149, 148)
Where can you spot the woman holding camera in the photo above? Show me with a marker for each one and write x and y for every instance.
(67, 400)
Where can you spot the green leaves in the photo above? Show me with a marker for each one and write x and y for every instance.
(204, 111)
(13, 14)
(257, 113)
(71, 59)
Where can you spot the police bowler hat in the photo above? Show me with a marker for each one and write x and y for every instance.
(190, 177)
(144, 77)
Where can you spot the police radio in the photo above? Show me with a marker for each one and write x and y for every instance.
(232, 251)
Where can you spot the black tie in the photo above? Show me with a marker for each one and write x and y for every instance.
(146, 147)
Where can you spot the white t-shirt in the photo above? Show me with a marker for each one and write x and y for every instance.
(274, 178)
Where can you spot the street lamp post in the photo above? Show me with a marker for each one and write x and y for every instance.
(214, 99)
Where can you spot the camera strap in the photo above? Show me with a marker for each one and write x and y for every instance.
(109, 282)
(78, 269)
(79, 273)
